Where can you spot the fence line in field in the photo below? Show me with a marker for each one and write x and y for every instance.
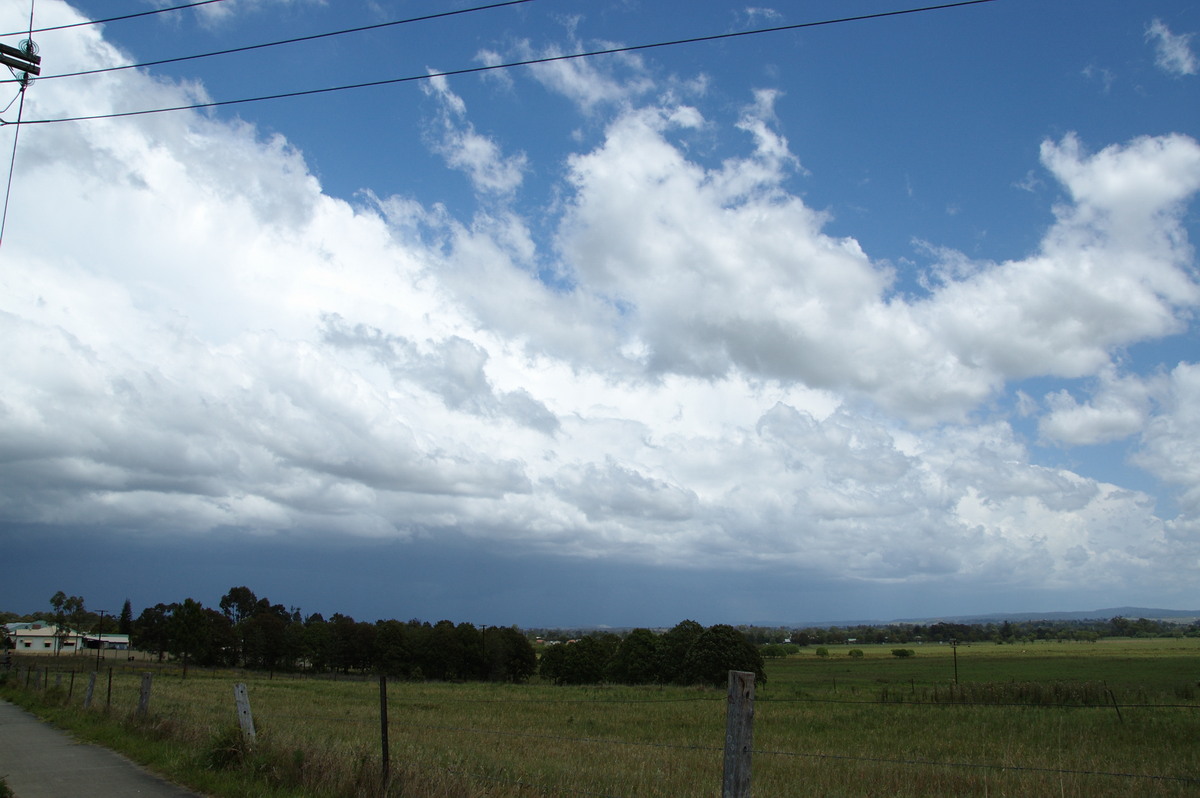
(41, 681)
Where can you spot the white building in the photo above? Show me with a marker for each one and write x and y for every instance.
(42, 638)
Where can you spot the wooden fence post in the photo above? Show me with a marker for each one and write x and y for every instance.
(243, 712)
(144, 700)
(91, 688)
(739, 735)
(383, 731)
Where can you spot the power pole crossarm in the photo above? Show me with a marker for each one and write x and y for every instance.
(20, 60)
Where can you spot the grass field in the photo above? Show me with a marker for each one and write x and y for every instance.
(1113, 718)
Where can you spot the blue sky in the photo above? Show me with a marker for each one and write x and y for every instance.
(876, 319)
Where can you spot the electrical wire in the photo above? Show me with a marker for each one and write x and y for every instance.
(506, 65)
(12, 161)
(313, 37)
(114, 19)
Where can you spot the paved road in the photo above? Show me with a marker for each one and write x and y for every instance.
(39, 761)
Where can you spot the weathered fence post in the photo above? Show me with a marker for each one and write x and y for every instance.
(383, 731)
(91, 688)
(108, 698)
(243, 712)
(739, 735)
(144, 700)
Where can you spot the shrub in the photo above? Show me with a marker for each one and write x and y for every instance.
(903, 652)
(856, 653)
(822, 652)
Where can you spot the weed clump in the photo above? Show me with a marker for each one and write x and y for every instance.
(227, 749)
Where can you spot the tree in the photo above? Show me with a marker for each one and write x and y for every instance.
(125, 619)
(58, 602)
(585, 661)
(238, 604)
(550, 666)
(581, 661)
(150, 631)
(675, 645)
(509, 655)
(318, 643)
(637, 659)
(392, 654)
(263, 641)
(187, 629)
(718, 650)
(68, 612)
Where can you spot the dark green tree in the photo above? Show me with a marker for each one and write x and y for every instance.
(264, 639)
(318, 643)
(584, 661)
(238, 604)
(675, 644)
(150, 630)
(509, 655)
(125, 619)
(718, 650)
(187, 630)
(637, 660)
(550, 664)
(392, 654)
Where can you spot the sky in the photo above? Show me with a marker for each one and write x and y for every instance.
(884, 318)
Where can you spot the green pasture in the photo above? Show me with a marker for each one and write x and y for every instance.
(1112, 718)
(1168, 668)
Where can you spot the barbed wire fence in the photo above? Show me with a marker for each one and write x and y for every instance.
(738, 750)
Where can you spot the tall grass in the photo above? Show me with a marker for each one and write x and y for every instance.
(1035, 723)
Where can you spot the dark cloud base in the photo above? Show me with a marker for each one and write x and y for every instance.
(454, 578)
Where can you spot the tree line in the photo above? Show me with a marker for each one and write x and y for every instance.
(687, 653)
(1083, 631)
(245, 631)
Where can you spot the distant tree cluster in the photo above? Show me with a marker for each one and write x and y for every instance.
(250, 632)
(686, 654)
(1083, 631)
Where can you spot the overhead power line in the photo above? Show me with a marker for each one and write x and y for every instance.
(27, 60)
(509, 64)
(296, 40)
(115, 19)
